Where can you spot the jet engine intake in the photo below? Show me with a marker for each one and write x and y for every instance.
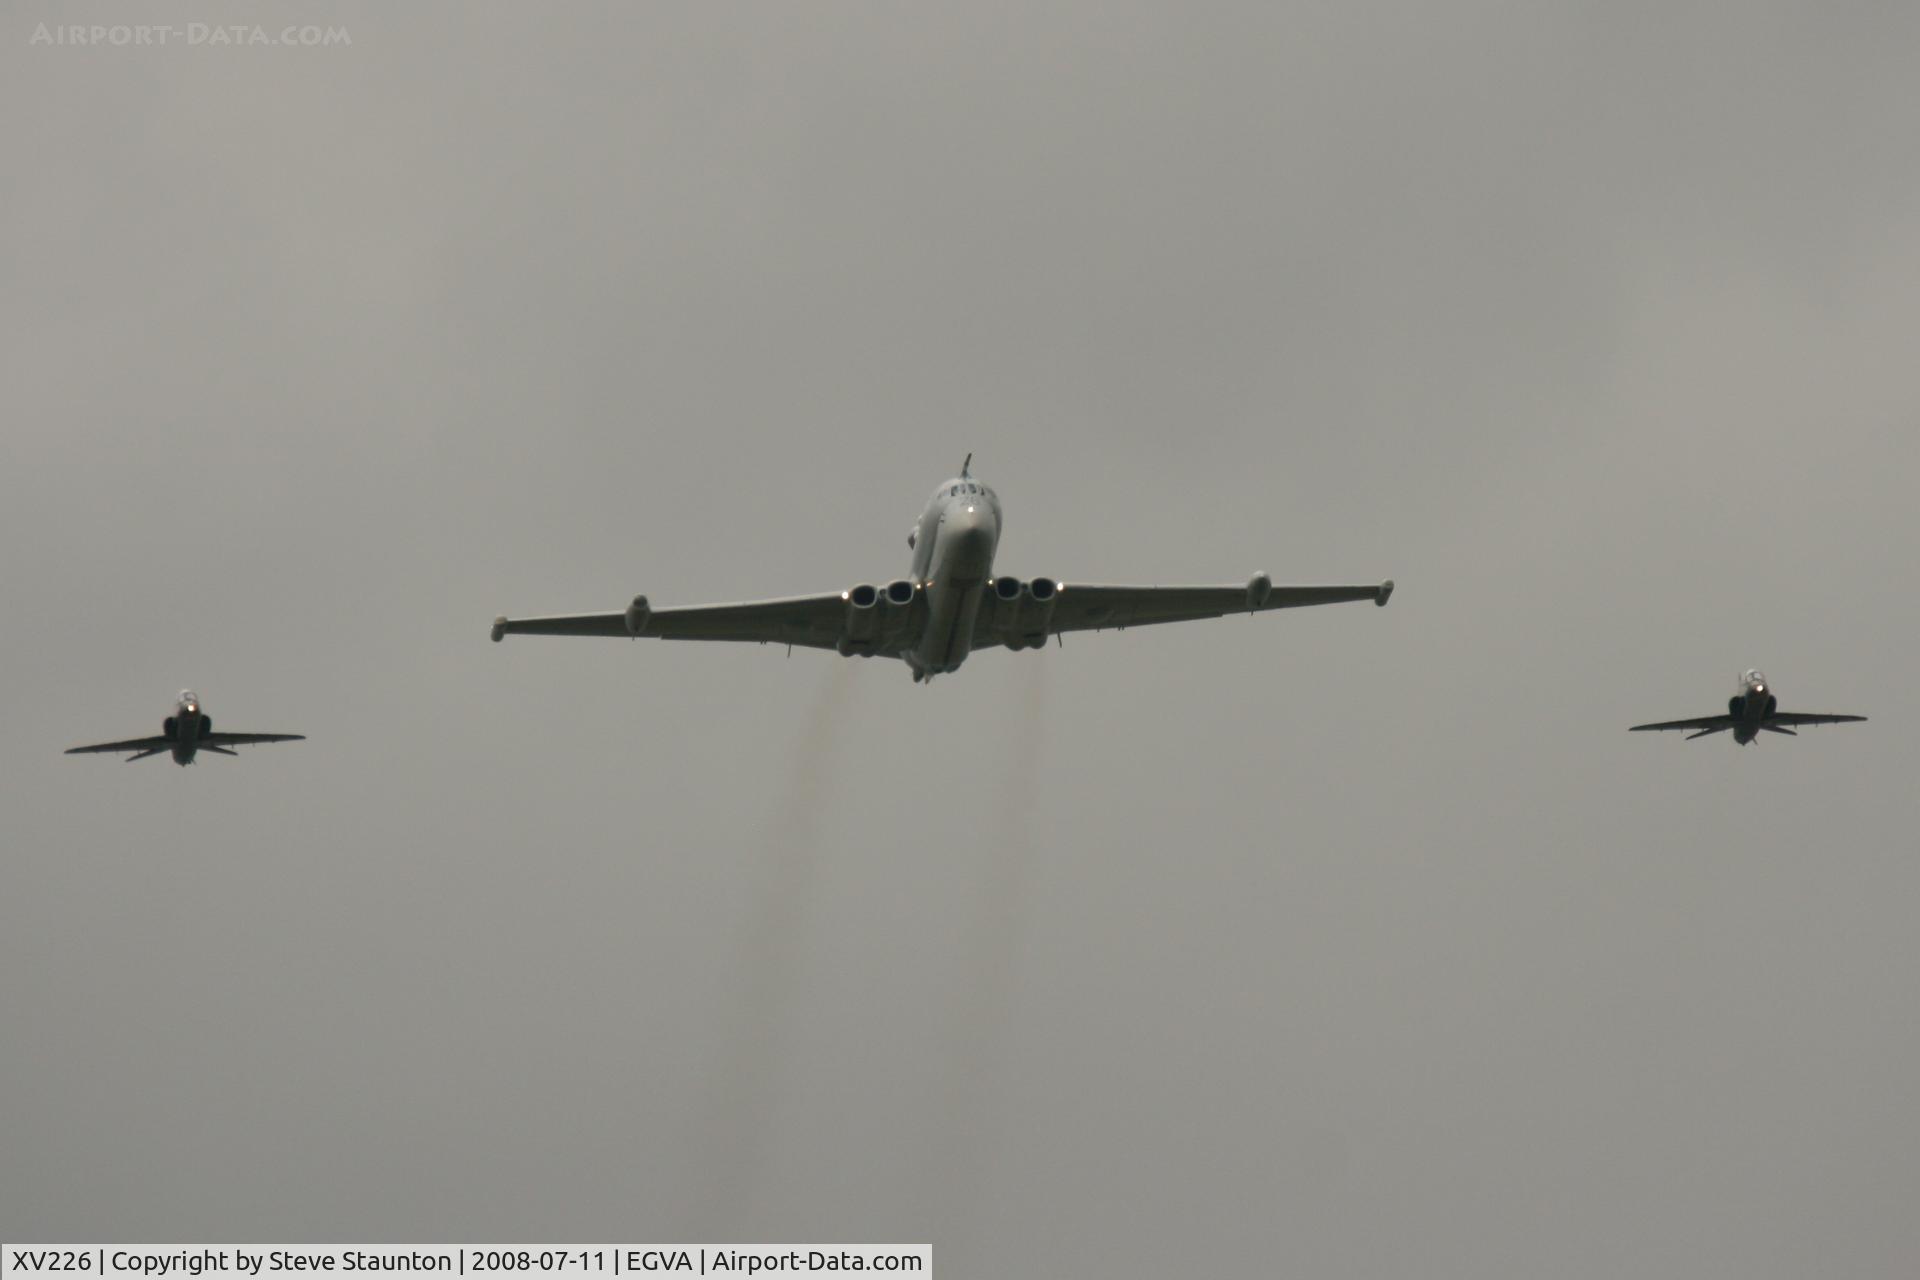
(1036, 612)
(170, 729)
(896, 611)
(1004, 602)
(637, 614)
(863, 618)
(1259, 589)
(206, 725)
(1772, 702)
(1737, 706)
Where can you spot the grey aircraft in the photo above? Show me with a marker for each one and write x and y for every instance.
(187, 731)
(950, 604)
(1751, 712)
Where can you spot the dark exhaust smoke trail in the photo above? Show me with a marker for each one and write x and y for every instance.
(990, 970)
(738, 1109)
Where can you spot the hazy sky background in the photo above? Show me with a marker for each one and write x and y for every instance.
(1341, 942)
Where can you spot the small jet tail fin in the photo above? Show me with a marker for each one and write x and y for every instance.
(142, 755)
(1704, 732)
(208, 746)
(1774, 728)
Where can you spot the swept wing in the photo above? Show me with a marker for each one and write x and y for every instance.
(814, 621)
(1079, 606)
(144, 746)
(1709, 723)
(1804, 717)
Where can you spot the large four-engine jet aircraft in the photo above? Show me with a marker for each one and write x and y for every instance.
(186, 731)
(950, 604)
(1749, 713)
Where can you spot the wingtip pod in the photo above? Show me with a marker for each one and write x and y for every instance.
(499, 628)
(1385, 593)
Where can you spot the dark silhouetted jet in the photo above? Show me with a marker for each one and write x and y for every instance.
(185, 732)
(1750, 712)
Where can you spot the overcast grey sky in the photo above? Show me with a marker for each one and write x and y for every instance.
(1341, 942)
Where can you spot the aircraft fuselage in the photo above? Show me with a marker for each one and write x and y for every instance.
(183, 727)
(1750, 707)
(953, 547)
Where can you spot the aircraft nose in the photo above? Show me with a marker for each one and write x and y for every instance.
(968, 535)
(972, 526)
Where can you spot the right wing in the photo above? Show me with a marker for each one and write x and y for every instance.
(1079, 606)
(1704, 722)
(1804, 717)
(221, 738)
(815, 621)
(1084, 607)
(145, 746)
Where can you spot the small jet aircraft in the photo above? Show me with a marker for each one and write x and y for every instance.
(1749, 713)
(951, 604)
(185, 732)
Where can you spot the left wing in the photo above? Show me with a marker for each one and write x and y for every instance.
(145, 746)
(1802, 717)
(1089, 607)
(222, 739)
(816, 621)
(1712, 724)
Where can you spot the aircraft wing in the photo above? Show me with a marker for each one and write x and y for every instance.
(145, 746)
(1802, 717)
(219, 738)
(815, 621)
(1704, 722)
(1090, 607)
